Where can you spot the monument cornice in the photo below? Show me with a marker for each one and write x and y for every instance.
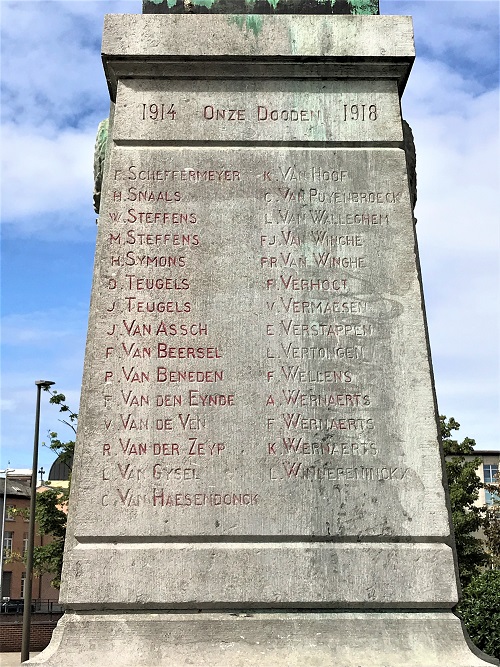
(257, 46)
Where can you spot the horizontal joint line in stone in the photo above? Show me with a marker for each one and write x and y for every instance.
(204, 143)
(251, 542)
(281, 76)
(232, 58)
(242, 613)
(159, 612)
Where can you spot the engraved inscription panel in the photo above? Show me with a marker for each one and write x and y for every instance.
(315, 110)
(246, 374)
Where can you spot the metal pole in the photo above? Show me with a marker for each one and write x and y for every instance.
(4, 511)
(28, 583)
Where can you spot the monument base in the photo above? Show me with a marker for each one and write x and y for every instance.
(272, 639)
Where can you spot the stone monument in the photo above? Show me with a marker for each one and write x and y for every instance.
(257, 480)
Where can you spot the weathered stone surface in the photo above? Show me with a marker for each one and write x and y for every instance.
(324, 381)
(263, 640)
(317, 575)
(258, 426)
(311, 390)
(239, 36)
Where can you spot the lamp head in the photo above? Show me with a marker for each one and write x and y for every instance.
(44, 384)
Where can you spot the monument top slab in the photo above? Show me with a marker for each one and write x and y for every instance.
(289, 36)
(355, 7)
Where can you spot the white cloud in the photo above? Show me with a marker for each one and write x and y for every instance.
(453, 29)
(56, 78)
(43, 175)
(455, 124)
(54, 95)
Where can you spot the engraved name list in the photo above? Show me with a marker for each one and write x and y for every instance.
(248, 315)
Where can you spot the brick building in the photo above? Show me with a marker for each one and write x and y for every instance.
(16, 542)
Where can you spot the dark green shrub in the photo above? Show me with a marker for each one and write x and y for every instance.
(480, 610)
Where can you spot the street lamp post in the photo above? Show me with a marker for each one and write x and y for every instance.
(4, 511)
(28, 584)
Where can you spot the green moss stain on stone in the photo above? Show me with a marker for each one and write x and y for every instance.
(158, 2)
(363, 6)
(170, 3)
(254, 23)
(248, 22)
(202, 3)
(101, 144)
(238, 20)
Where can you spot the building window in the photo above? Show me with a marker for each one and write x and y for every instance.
(491, 477)
(25, 543)
(7, 541)
(6, 584)
(23, 581)
(10, 513)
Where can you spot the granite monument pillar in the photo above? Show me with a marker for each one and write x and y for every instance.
(258, 480)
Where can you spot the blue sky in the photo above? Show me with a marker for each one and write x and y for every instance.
(53, 96)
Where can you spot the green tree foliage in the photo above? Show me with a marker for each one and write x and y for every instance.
(464, 485)
(66, 449)
(480, 604)
(51, 505)
(480, 610)
(51, 519)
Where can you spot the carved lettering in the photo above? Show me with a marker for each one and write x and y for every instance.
(136, 173)
(174, 376)
(163, 498)
(133, 448)
(133, 375)
(161, 217)
(131, 399)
